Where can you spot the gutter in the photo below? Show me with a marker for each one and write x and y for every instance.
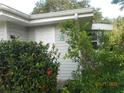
(13, 15)
(14, 11)
(58, 19)
(61, 13)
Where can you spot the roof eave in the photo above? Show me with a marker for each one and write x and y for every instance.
(13, 15)
(14, 11)
(11, 18)
(57, 19)
(61, 13)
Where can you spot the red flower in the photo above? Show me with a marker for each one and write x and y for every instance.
(49, 72)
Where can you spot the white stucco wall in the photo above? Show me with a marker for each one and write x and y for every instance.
(17, 30)
(67, 66)
(31, 34)
(3, 31)
(51, 34)
(46, 34)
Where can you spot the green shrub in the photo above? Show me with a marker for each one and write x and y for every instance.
(65, 90)
(27, 67)
(111, 64)
(101, 70)
(107, 77)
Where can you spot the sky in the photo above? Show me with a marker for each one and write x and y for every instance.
(108, 10)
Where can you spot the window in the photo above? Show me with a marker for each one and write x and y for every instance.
(62, 37)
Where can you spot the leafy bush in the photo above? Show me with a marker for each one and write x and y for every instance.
(65, 90)
(106, 77)
(110, 64)
(27, 67)
(99, 71)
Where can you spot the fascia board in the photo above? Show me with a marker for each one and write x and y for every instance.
(101, 26)
(36, 22)
(86, 15)
(61, 13)
(57, 19)
(7, 17)
(1, 12)
(14, 11)
(45, 15)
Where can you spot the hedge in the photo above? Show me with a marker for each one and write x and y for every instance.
(27, 67)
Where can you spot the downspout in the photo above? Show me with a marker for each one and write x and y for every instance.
(76, 16)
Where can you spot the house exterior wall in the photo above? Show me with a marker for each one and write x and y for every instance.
(3, 30)
(31, 34)
(41, 27)
(67, 66)
(46, 34)
(17, 30)
(51, 34)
